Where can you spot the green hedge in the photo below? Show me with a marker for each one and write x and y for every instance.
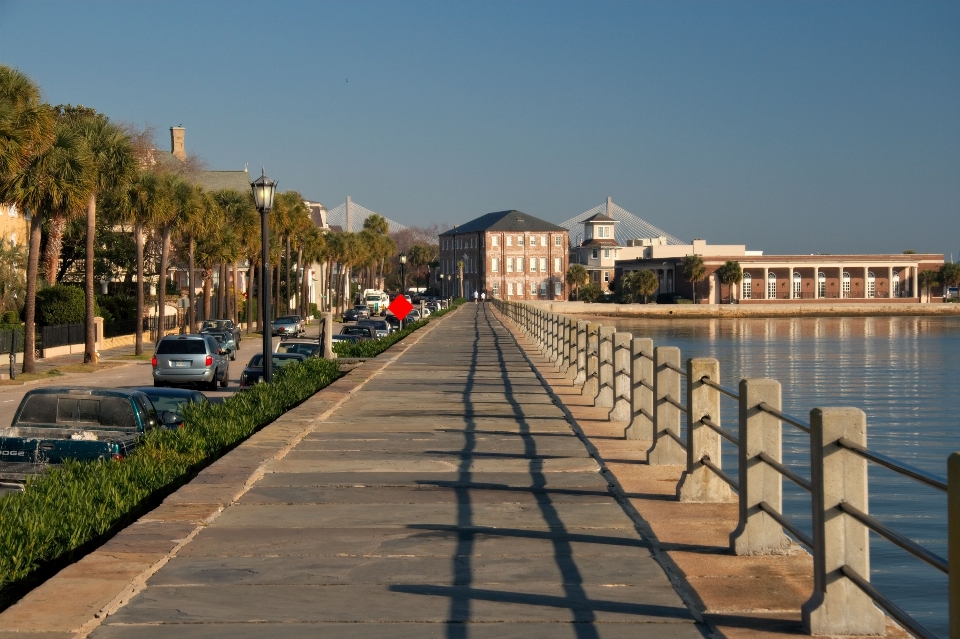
(373, 347)
(76, 503)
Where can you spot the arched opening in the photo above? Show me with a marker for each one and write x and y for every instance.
(871, 284)
(747, 283)
(895, 283)
(797, 280)
(822, 285)
(845, 291)
(772, 286)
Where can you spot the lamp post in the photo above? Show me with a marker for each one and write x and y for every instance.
(263, 192)
(442, 290)
(403, 281)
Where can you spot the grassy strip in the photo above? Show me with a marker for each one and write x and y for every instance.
(76, 503)
(373, 347)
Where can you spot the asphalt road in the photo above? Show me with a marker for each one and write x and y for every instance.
(134, 374)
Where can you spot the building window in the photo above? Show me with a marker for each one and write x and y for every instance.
(519, 265)
(495, 265)
(603, 231)
(543, 289)
(822, 285)
(509, 240)
(494, 240)
(557, 265)
(509, 265)
(533, 265)
(543, 240)
(533, 240)
(606, 276)
(895, 284)
(747, 286)
(772, 286)
(596, 276)
(557, 288)
(595, 253)
(871, 284)
(797, 291)
(509, 288)
(533, 288)
(496, 289)
(846, 285)
(543, 265)
(606, 253)
(519, 240)
(558, 240)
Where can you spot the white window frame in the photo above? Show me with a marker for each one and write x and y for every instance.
(533, 265)
(747, 292)
(496, 289)
(871, 284)
(509, 240)
(543, 265)
(797, 285)
(519, 240)
(519, 265)
(495, 265)
(533, 240)
(543, 289)
(771, 286)
(543, 240)
(558, 288)
(845, 284)
(558, 265)
(558, 240)
(494, 240)
(895, 284)
(509, 288)
(595, 253)
(822, 284)
(509, 265)
(606, 277)
(606, 253)
(533, 288)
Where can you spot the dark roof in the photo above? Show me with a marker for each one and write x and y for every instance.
(504, 221)
(219, 180)
(600, 217)
(599, 242)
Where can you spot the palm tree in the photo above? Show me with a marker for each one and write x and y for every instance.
(949, 276)
(57, 178)
(694, 272)
(145, 204)
(576, 277)
(113, 166)
(925, 279)
(646, 284)
(192, 215)
(238, 212)
(27, 126)
(730, 274)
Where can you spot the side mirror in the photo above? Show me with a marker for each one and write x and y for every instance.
(221, 352)
(169, 418)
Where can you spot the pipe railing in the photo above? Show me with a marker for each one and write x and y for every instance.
(642, 384)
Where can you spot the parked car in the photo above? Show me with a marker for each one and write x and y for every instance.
(347, 338)
(380, 326)
(172, 400)
(253, 373)
(363, 332)
(54, 424)
(190, 359)
(226, 342)
(223, 325)
(287, 325)
(392, 320)
(308, 347)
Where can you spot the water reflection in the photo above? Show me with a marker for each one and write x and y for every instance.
(901, 371)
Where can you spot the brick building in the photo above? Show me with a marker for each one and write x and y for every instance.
(509, 254)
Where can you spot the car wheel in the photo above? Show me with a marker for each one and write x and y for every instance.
(212, 384)
(226, 380)
(233, 356)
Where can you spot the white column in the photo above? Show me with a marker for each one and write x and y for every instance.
(790, 281)
(890, 282)
(816, 282)
(914, 291)
(766, 285)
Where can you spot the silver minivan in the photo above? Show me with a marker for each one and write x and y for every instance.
(190, 359)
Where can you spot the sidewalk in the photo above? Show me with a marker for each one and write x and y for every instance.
(436, 491)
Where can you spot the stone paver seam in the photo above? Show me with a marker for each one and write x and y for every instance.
(140, 581)
(662, 558)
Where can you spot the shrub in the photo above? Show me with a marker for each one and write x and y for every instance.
(373, 347)
(120, 307)
(75, 503)
(312, 309)
(10, 317)
(60, 304)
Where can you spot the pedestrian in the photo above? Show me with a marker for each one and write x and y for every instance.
(483, 297)
(475, 297)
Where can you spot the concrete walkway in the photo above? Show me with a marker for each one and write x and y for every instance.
(447, 497)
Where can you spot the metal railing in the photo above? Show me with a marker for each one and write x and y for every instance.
(651, 378)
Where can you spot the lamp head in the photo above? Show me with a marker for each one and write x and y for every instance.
(403, 258)
(263, 191)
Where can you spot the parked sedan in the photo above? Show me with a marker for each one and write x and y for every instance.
(380, 326)
(169, 403)
(224, 325)
(286, 325)
(253, 373)
(308, 347)
(190, 359)
(362, 332)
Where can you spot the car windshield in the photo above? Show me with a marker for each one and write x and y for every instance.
(172, 404)
(285, 320)
(279, 359)
(181, 346)
(299, 348)
(355, 330)
(215, 324)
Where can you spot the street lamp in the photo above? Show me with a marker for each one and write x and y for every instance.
(263, 191)
(443, 291)
(403, 281)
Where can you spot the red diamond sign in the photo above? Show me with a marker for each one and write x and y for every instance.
(400, 307)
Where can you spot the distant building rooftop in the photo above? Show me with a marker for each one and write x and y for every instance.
(511, 221)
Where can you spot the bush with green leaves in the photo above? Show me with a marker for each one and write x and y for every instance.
(373, 347)
(60, 304)
(75, 503)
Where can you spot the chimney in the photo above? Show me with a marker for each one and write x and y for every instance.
(349, 226)
(609, 206)
(176, 143)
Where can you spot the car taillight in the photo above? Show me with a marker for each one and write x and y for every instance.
(118, 457)
(209, 360)
(154, 362)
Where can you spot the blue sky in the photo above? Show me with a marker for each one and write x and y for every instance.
(793, 127)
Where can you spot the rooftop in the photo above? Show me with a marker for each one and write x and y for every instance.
(512, 221)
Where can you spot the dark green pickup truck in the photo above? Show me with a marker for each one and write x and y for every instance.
(54, 424)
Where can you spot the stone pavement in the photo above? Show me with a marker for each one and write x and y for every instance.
(447, 497)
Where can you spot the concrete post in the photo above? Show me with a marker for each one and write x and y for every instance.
(591, 385)
(552, 342)
(953, 540)
(622, 371)
(699, 483)
(758, 533)
(641, 390)
(571, 371)
(328, 336)
(838, 606)
(605, 368)
(563, 357)
(666, 450)
(581, 357)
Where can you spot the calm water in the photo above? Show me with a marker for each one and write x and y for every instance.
(904, 372)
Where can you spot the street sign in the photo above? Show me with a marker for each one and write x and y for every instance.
(400, 307)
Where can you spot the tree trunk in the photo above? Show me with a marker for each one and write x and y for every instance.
(250, 307)
(286, 308)
(51, 259)
(276, 307)
(138, 235)
(207, 281)
(162, 288)
(236, 294)
(191, 286)
(30, 312)
(90, 340)
(299, 282)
